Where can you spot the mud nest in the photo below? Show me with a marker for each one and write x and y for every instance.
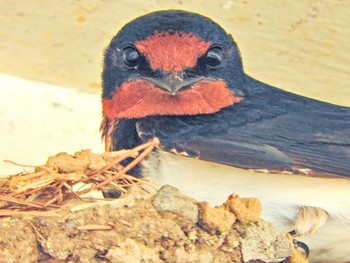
(57, 213)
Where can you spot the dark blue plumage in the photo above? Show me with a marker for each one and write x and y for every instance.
(179, 76)
(269, 129)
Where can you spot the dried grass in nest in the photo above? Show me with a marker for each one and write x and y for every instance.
(38, 193)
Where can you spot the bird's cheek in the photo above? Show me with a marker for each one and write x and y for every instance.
(140, 98)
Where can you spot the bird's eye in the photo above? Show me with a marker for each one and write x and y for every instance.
(213, 58)
(131, 57)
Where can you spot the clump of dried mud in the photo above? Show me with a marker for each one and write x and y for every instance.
(47, 218)
(139, 227)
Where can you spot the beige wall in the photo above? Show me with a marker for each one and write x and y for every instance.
(301, 46)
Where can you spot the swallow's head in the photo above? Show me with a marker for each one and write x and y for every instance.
(170, 63)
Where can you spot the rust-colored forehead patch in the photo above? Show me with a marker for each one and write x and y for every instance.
(172, 51)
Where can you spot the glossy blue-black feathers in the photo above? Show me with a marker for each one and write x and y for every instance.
(269, 129)
(114, 73)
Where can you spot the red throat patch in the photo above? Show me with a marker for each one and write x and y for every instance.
(140, 98)
(172, 52)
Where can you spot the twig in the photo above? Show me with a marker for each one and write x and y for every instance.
(152, 143)
(98, 203)
(94, 227)
(17, 201)
(17, 164)
(46, 188)
(148, 147)
(8, 212)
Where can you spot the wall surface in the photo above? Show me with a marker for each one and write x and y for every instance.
(301, 46)
(297, 45)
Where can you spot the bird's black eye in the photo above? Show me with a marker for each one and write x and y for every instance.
(131, 57)
(213, 58)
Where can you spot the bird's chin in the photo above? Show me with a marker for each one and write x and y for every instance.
(141, 98)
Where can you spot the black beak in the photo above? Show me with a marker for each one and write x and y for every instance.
(173, 82)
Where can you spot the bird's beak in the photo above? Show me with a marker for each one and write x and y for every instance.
(173, 82)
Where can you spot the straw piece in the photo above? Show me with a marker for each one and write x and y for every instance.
(9, 212)
(33, 193)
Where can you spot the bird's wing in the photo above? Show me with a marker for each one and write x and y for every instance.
(307, 159)
(239, 154)
(271, 129)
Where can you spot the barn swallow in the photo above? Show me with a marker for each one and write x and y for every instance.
(179, 76)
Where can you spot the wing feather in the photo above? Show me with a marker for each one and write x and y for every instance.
(271, 129)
